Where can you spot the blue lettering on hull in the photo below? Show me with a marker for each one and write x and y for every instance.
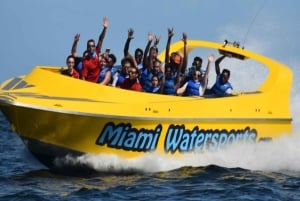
(182, 140)
(123, 136)
(177, 138)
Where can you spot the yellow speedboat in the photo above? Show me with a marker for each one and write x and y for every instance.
(56, 115)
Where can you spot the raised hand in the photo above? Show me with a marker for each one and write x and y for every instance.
(170, 32)
(130, 33)
(156, 40)
(76, 37)
(150, 36)
(105, 22)
(210, 58)
(184, 37)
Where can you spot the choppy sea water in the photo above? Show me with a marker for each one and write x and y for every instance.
(246, 172)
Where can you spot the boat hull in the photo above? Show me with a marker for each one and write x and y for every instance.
(53, 135)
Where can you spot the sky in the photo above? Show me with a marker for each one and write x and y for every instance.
(35, 32)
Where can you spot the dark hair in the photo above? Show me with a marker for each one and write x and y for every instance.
(156, 77)
(87, 44)
(226, 71)
(139, 50)
(113, 58)
(136, 70)
(70, 56)
(198, 59)
(156, 60)
(125, 60)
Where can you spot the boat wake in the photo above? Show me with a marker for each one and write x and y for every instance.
(280, 155)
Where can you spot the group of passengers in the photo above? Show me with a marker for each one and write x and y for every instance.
(144, 71)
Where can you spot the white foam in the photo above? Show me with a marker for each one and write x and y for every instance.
(278, 155)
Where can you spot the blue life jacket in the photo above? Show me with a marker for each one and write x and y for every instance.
(143, 78)
(154, 89)
(121, 78)
(140, 67)
(219, 88)
(102, 74)
(169, 85)
(193, 88)
(78, 67)
(146, 79)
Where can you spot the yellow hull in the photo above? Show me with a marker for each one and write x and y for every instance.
(56, 115)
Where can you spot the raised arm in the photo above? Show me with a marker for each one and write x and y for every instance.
(163, 78)
(127, 43)
(204, 81)
(185, 53)
(145, 59)
(156, 40)
(217, 64)
(150, 61)
(102, 35)
(170, 35)
(74, 46)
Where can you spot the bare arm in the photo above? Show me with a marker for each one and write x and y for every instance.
(182, 89)
(170, 35)
(185, 53)
(106, 78)
(150, 62)
(217, 64)
(156, 40)
(102, 35)
(74, 46)
(145, 59)
(126, 47)
(205, 78)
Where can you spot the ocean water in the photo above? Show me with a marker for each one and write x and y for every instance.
(269, 171)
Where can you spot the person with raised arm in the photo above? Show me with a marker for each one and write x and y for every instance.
(154, 68)
(173, 66)
(78, 59)
(138, 53)
(222, 85)
(145, 76)
(91, 61)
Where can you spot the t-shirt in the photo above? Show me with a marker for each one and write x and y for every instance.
(131, 85)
